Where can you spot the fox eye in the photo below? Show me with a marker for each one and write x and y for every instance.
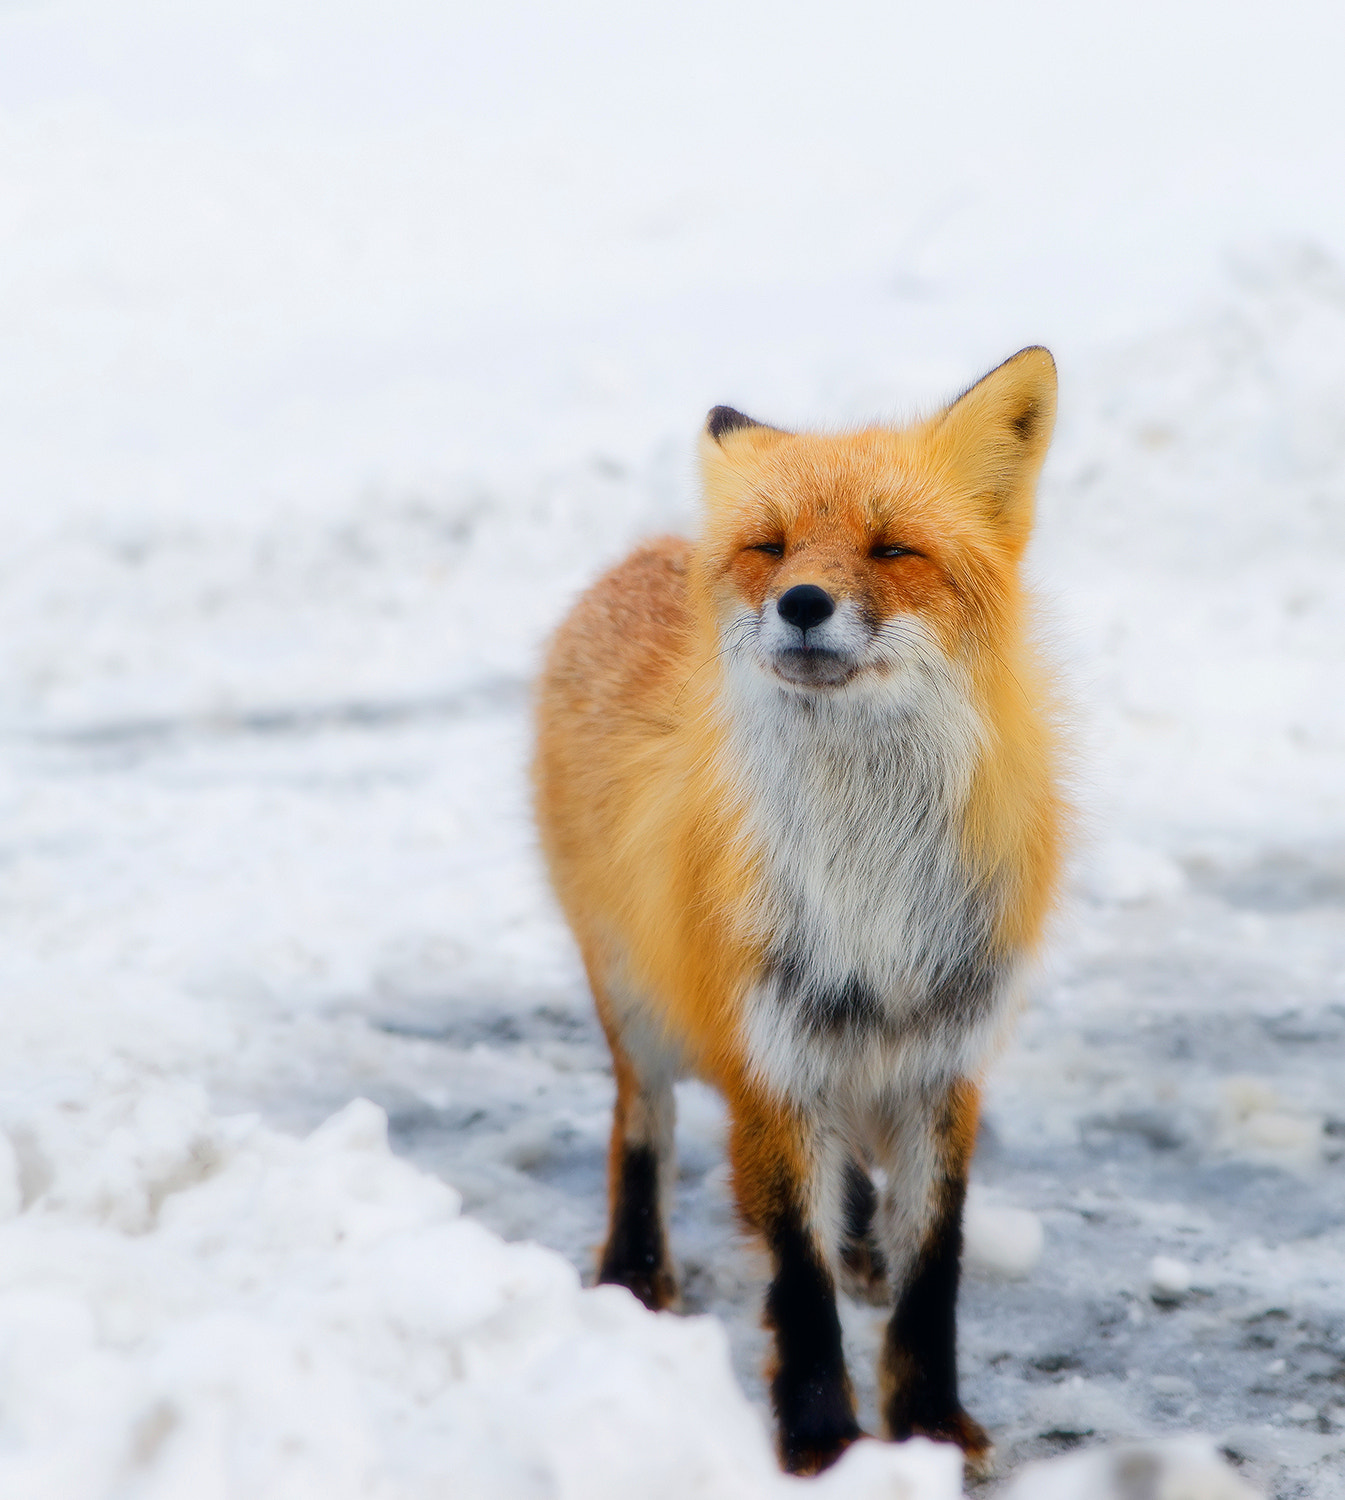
(892, 549)
(771, 549)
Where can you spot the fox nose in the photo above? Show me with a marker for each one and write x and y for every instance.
(805, 605)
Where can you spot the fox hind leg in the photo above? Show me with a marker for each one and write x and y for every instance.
(863, 1263)
(641, 1158)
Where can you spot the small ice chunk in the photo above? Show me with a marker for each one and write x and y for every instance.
(1245, 1096)
(1256, 1123)
(998, 1240)
(1273, 1130)
(1177, 1467)
(1169, 1279)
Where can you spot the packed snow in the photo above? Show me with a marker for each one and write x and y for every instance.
(338, 349)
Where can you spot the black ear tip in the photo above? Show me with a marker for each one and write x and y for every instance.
(725, 419)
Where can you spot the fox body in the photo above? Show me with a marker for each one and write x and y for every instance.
(795, 785)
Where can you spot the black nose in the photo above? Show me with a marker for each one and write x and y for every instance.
(805, 605)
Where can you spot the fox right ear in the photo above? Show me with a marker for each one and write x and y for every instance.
(728, 438)
(725, 422)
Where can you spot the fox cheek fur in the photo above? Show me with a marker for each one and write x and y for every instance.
(796, 789)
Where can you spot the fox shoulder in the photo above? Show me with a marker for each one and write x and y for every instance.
(627, 634)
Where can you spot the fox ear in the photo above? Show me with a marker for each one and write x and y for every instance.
(723, 420)
(728, 441)
(728, 429)
(993, 438)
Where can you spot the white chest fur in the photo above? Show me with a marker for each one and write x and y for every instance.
(878, 937)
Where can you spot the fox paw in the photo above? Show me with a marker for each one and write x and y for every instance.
(657, 1289)
(966, 1432)
(803, 1457)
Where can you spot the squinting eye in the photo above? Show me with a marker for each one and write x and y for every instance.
(894, 550)
(771, 549)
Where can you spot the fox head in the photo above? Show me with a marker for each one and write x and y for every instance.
(843, 563)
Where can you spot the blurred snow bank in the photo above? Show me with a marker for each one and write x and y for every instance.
(1121, 870)
(221, 1310)
(1191, 516)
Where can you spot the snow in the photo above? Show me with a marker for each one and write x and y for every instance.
(1172, 1470)
(215, 1308)
(337, 351)
(1169, 1279)
(998, 1239)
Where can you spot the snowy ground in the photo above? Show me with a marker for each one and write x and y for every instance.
(336, 355)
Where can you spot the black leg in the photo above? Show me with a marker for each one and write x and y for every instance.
(811, 1393)
(920, 1351)
(636, 1254)
(863, 1265)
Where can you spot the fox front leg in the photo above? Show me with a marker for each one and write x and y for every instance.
(774, 1164)
(928, 1145)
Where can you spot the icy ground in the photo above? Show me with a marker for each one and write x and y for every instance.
(337, 355)
(292, 905)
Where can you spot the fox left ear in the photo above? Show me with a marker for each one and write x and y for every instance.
(994, 437)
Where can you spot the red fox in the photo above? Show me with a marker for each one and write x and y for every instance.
(796, 786)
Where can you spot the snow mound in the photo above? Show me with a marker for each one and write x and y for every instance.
(221, 1310)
